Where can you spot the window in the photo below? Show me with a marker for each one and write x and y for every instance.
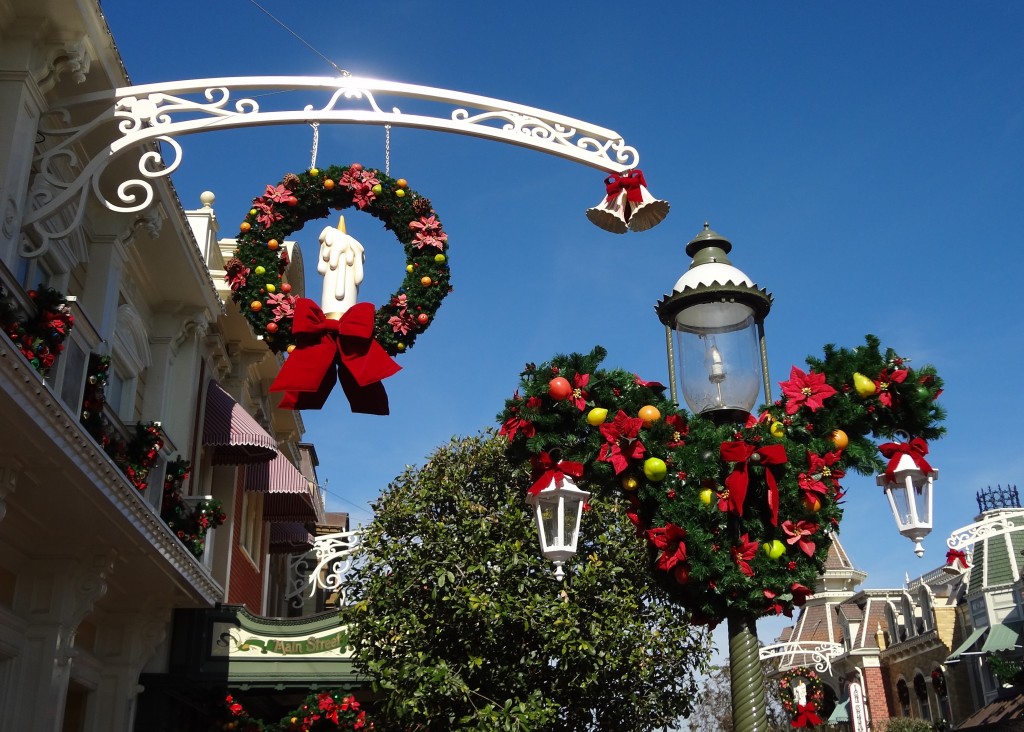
(921, 692)
(251, 534)
(903, 696)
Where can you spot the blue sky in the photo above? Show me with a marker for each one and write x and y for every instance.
(866, 160)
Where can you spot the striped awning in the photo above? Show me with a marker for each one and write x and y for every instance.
(288, 497)
(236, 438)
(290, 538)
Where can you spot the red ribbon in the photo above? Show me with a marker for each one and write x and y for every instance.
(549, 471)
(916, 448)
(629, 182)
(739, 479)
(335, 349)
(955, 555)
(806, 716)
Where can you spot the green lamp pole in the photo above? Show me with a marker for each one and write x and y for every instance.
(716, 314)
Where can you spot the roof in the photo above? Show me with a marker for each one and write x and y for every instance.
(1005, 713)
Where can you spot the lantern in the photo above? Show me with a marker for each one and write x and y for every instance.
(558, 510)
(909, 490)
(717, 314)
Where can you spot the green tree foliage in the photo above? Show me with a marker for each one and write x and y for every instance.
(458, 620)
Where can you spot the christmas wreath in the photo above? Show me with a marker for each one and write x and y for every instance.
(256, 272)
(802, 713)
(939, 683)
(737, 518)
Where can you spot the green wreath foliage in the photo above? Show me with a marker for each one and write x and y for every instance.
(256, 272)
(715, 557)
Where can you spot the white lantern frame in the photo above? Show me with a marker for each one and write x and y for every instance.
(911, 497)
(553, 507)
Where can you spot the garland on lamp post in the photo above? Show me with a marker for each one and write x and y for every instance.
(322, 711)
(738, 519)
(256, 272)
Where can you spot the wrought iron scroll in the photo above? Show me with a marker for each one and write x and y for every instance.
(322, 568)
(135, 119)
(818, 655)
(966, 536)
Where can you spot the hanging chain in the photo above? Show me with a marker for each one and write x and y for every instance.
(387, 149)
(316, 143)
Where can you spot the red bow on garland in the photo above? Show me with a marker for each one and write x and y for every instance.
(325, 348)
(916, 449)
(738, 480)
(549, 471)
(629, 182)
(806, 716)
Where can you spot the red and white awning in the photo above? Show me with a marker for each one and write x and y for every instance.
(236, 438)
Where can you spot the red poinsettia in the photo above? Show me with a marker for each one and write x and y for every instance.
(803, 389)
(800, 533)
(826, 466)
(403, 322)
(283, 306)
(776, 605)
(800, 593)
(515, 424)
(811, 489)
(743, 553)
(428, 232)
(622, 441)
(680, 429)
(885, 378)
(668, 538)
(578, 395)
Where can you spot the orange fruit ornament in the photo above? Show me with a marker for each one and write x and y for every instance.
(272, 244)
(255, 306)
(559, 388)
(426, 281)
(812, 503)
(244, 226)
(840, 439)
(329, 184)
(649, 414)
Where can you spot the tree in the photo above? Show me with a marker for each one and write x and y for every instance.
(457, 618)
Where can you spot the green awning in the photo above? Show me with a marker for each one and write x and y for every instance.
(954, 657)
(1001, 638)
(839, 714)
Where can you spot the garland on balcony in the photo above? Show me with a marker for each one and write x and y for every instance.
(39, 335)
(189, 523)
(135, 456)
(256, 271)
(320, 712)
(737, 518)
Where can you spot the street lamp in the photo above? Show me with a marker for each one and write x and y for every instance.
(558, 509)
(717, 314)
(908, 484)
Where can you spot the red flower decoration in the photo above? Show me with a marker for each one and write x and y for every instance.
(805, 389)
(622, 443)
(885, 378)
(668, 538)
(800, 533)
(800, 593)
(744, 553)
(825, 466)
(578, 395)
(516, 424)
(679, 430)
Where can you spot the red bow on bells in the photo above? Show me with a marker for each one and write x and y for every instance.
(629, 182)
(326, 350)
(916, 448)
(806, 716)
(741, 453)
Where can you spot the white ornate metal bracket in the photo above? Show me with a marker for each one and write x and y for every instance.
(819, 655)
(323, 568)
(136, 118)
(965, 537)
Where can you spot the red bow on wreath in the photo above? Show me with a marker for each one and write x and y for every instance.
(327, 349)
(549, 471)
(738, 480)
(806, 716)
(916, 449)
(629, 182)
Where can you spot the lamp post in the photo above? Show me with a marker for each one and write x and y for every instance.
(717, 315)
(557, 510)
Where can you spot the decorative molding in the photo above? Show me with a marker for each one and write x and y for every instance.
(966, 536)
(139, 118)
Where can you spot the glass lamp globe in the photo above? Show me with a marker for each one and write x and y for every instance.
(558, 510)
